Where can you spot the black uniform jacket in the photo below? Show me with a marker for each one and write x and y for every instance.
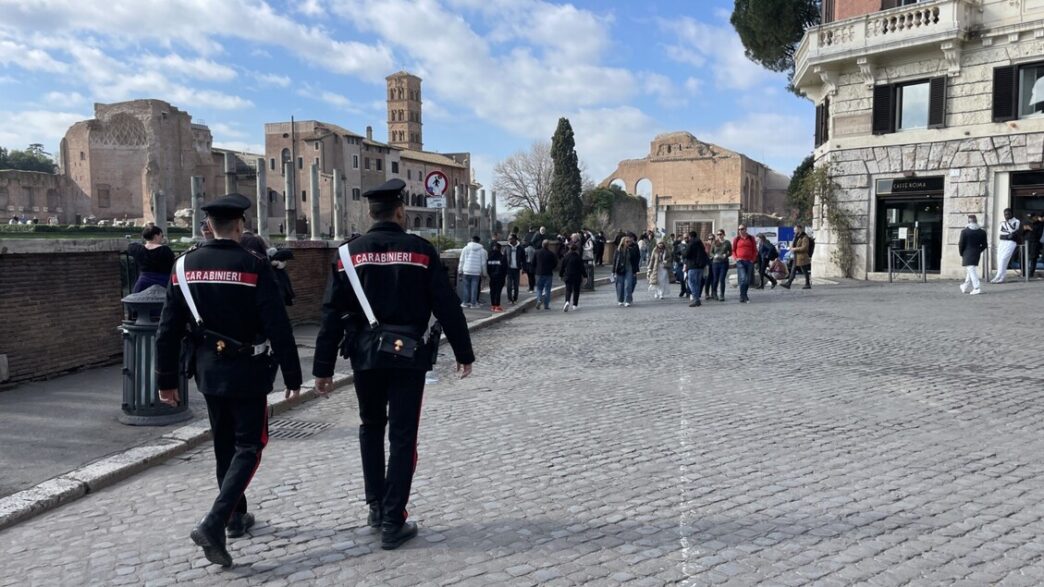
(236, 296)
(404, 281)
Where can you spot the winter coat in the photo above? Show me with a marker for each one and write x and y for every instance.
(472, 259)
(589, 248)
(519, 253)
(544, 263)
(799, 251)
(972, 243)
(496, 266)
(745, 248)
(572, 267)
(768, 253)
(625, 259)
(721, 251)
(657, 260)
(696, 256)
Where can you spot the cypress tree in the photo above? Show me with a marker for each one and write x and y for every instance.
(565, 205)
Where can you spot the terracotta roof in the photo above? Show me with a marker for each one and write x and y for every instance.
(432, 158)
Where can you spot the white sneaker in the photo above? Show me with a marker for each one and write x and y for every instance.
(565, 308)
(627, 304)
(964, 288)
(465, 305)
(574, 308)
(976, 292)
(619, 304)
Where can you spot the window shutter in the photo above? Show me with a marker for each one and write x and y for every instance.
(884, 119)
(826, 120)
(886, 4)
(828, 11)
(1004, 92)
(819, 125)
(937, 102)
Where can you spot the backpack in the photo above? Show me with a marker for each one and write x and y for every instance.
(811, 245)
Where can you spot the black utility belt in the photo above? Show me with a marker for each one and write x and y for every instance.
(398, 344)
(228, 347)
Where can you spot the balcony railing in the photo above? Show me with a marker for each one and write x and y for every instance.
(887, 30)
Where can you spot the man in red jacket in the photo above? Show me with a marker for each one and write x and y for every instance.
(745, 251)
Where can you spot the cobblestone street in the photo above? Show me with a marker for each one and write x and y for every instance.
(890, 434)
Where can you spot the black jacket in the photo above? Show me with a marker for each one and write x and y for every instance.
(237, 297)
(404, 281)
(696, 256)
(622, 258)
(971, 245)
(520, 256)
(496, 265)
(572, 267)
(544, 262)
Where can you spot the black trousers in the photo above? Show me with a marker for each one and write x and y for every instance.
(513, 275)
(389, 398)
(572, 290)
(762, 266)
(496, 286)
(240, 429)
(530, 277)
(806, 269)
(1032, 252)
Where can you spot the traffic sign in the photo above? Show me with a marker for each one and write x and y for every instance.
(436, 183)
(436, 202)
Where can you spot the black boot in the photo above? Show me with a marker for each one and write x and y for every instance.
(210, 536)
(239, 524)
(393, 536)
(375, 517)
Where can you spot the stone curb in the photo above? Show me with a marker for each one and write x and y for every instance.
(110, 470)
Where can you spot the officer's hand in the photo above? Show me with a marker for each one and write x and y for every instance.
(171, 397)
(291, 393)
(323, 385)
(464, 370)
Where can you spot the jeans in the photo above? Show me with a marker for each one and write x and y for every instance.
(719, 275)
(512, 284)
(680, 277)
(625, 287)
(744, 274)
(695, 278)
(543, 284)
(471, 288)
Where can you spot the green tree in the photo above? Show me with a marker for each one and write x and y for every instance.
(564, 205)
(800, 199)
(771, 30)
(33, 158)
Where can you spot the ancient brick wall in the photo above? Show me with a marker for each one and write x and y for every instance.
(60, 312)
(308, 273)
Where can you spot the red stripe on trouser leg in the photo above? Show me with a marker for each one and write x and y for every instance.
(420, 408)
(257, 464)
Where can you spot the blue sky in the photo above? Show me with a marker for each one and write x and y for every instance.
(497, 73)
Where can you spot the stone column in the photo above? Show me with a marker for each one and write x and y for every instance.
(445, 219)
(262, 200)
(457, 195)
(338, 207)
(481, 224)
(493, 210)
(197, 201)
(159, 210)
(315, 221)
(290, 201)
(230, 173)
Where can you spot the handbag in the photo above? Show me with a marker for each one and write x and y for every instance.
(393, 341)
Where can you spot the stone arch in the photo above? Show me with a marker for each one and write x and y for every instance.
(121, 130)
(644, 187)
(617, 182)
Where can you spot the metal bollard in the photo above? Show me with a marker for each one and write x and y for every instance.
(141, 405)
(589, 283)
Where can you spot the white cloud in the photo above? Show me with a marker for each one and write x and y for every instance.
(718, 47)
(313, 8)
(273, 79)
(67, 100)
(198, 68)
(223, 129)
(196, 23)
(336, 100)
(6, 79)
(15, 54)
(562, 31)
(666, 92)
(693, 85)
(605, 136)
(20, 129)
(790, 143)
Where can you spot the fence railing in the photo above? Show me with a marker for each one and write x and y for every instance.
(908, 262)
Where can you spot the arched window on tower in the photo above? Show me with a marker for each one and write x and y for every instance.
(285, 158)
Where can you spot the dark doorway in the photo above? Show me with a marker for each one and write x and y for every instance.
(909, 217)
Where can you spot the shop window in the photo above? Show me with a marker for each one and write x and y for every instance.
(910, 105)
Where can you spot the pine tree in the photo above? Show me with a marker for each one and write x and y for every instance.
(565, 205)
(771, 29)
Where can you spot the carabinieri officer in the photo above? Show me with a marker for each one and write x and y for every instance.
(405, 283)
(241, 334)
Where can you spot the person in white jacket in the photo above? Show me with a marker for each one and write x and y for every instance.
(1008, 243)
(471, 267)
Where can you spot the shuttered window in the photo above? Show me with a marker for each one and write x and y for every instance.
(937, 103)
(886, 4)
(828, 11)
(884, 113)
(1005, 88)
(823, 122)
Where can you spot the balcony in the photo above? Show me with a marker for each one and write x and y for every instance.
(936, 24)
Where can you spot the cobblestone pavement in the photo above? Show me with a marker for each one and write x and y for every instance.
(851, 434)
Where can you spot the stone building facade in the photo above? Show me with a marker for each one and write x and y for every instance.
(32, 194)
(693, 185)
(926, 113)
(404, 111)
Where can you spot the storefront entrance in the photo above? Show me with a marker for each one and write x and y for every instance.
(1027, 194)
(909, 216)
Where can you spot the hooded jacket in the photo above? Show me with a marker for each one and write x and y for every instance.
(472, 259)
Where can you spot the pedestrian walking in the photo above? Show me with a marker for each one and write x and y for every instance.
(530, 263)
(656, 271)
(599, 248)
(228, 303)
(472, 265)
(800, 257)
(745, 251)
(696, 262)
(643, 250)
(720, 252)
(1034, 242)
(681, 247)
(767, 253)
(515, 261)
(496, 268)
(1009, 241)
(572, 272)
(708, 272)
(155, 260)
(385, 287)
(970, 246)
(626, 262)
(544, 263)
